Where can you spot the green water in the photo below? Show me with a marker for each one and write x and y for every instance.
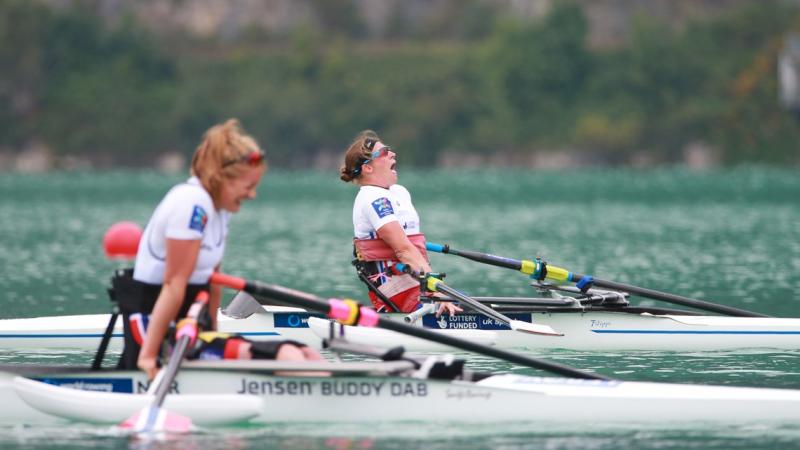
(728, 236)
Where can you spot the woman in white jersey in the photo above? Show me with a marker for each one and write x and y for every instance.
(386, 226)
(183, 245)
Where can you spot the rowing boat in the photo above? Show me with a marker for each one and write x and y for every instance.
(399, 387)
(591, 329)
(582, 318)
(251, 391)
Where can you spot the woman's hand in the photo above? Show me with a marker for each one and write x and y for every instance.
(450, 307)
(148, 365)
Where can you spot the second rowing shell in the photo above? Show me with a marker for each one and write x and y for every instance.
(591, 330)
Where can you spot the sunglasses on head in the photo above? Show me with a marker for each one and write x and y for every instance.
(252, 158)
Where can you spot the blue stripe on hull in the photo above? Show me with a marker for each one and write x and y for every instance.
(124, 385)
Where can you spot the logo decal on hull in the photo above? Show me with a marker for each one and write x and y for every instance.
(92, 384)
(470, 321)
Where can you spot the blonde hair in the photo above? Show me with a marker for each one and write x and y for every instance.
(355, 156)
(217, 157)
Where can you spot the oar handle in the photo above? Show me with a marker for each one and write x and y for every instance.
(537, 268)
(181, 347)
(185, 336)
(426, 280)
(494, 260)
(361, 315)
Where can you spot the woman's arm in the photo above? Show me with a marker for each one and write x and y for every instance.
(392, 233)
(181, 259)
(214, 299)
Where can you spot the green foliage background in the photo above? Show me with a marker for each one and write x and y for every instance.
(477, 83)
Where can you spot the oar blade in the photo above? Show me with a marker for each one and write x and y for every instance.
(533, 328)
(153, 419)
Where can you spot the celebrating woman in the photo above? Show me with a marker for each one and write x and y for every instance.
(386, 226)
(183, 245)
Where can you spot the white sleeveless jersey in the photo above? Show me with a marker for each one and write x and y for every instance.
(186, 213)
(375, 206)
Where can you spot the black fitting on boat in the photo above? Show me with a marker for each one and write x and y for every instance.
(441, 368)
(394, 354)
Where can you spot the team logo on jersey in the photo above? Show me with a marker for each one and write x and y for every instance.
(199, 219)
(383, 207)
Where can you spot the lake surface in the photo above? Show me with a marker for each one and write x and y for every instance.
(724, 236)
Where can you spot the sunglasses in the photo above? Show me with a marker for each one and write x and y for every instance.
(253, 158)
(369, 144)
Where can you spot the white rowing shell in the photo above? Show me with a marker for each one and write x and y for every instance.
(501, 398)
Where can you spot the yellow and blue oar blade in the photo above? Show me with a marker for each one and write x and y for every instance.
(541, 271)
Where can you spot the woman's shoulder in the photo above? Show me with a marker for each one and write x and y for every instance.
(190, 191)
(399, 190)
(373, 192)
(369, 196)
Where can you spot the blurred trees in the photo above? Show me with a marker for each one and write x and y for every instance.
(476, 83)
(80, 88)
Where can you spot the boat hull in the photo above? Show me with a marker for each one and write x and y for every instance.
(499, 398)
(590, 331)
(597, 331)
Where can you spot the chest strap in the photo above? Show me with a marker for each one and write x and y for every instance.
(379, 250)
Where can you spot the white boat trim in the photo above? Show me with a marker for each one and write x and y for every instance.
(272, 366)
(583, 331)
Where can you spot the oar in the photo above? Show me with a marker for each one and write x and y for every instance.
(349, 312)
(541, 270)
(154, 417)
(436, 285)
